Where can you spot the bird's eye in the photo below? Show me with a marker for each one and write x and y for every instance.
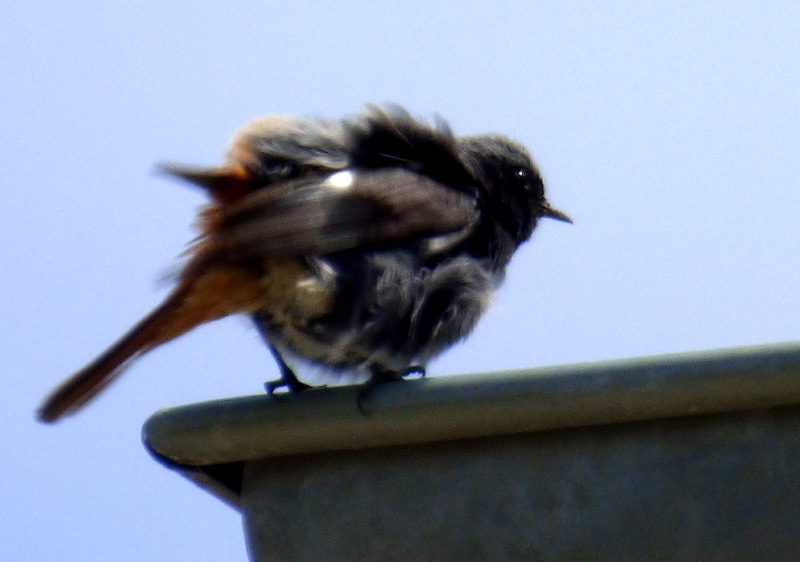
(529, 181)
(525, 179)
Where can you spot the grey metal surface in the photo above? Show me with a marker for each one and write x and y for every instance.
(677, 457)
(713, 488)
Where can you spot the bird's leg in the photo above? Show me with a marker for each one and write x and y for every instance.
(288, 379)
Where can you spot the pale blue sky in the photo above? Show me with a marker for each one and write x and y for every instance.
(670, 132)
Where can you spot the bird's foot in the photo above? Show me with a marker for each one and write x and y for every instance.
(380, 377)
(291, 383)
(288, 379)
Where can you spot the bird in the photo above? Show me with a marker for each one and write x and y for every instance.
(364, 245)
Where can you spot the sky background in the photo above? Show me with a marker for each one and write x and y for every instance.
(669, 131)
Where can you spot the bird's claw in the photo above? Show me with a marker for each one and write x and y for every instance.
(380, 377)
(292, 385)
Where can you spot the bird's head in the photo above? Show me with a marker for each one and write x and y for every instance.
(514, 190)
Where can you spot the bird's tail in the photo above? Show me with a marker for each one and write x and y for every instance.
(212, 295)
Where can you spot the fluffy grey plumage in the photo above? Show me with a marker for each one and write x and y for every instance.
(364, 245)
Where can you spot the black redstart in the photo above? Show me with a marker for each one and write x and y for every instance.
(366, 245)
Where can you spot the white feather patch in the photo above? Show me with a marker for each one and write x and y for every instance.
(341, 181)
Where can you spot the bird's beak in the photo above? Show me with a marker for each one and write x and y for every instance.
(207, 178)
(225, 183)
(553, 213)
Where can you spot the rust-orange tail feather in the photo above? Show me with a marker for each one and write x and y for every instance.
(201, 298)
(78, 389)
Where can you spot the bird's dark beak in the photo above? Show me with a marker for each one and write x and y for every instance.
(207, 178)
(553, 213)
(225, 183)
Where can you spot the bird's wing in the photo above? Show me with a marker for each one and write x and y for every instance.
(341, 211)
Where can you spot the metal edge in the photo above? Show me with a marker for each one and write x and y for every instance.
(478, 405)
